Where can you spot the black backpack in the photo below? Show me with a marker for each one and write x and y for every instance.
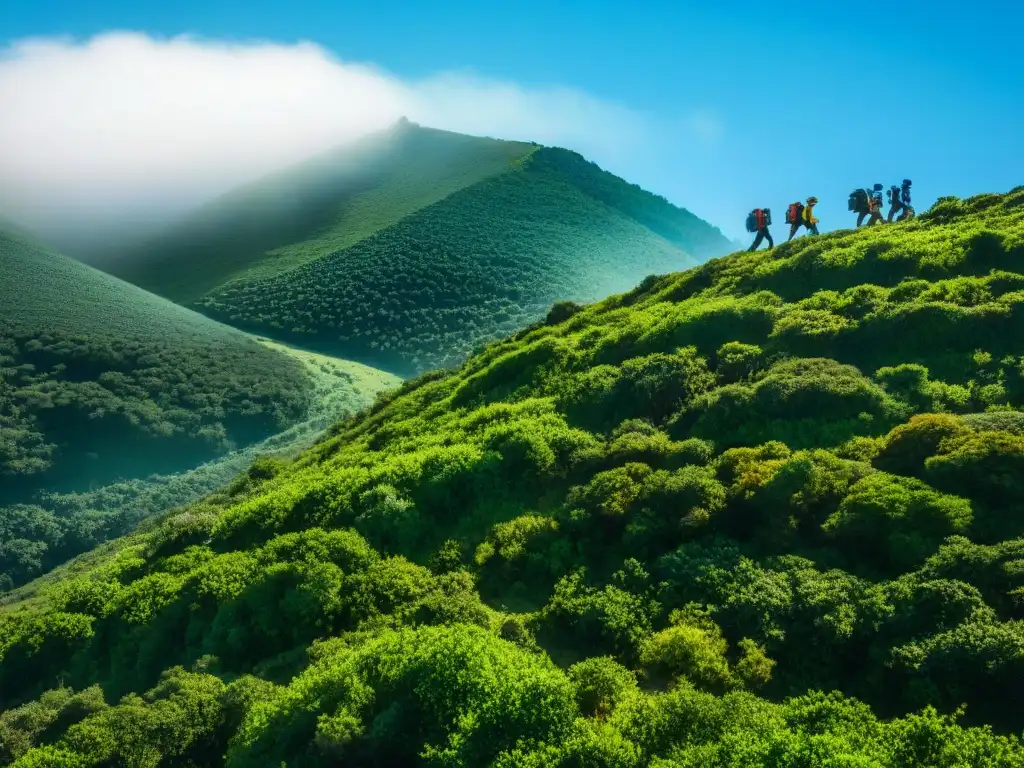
(858, 202)
(752, 221)
(767, 217)
(894, 195)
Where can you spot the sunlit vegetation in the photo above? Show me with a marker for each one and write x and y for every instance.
(768, 511)
(417, 246)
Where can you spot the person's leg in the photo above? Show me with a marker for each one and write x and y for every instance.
(768, 237)
(860, 217)
(894, 210)
(792, 230)
(908, 213)
(757, 240)
(876, 217)
(812, 228)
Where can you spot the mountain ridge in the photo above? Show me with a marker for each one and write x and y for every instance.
(449, 200)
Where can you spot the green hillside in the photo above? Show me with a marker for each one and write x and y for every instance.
(56, 526)
(768, 511)
(415, 247)
(100, 380)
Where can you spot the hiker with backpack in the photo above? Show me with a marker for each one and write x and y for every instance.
(758, 220)
(869, 205)
(809, 219)
(795, 218)
(800, 215)
(899, 199)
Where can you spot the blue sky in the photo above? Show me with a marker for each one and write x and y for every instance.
(755, 103)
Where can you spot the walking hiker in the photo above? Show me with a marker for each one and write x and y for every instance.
(899, 199)
(795, 218)
(808, 216)
(758, 220)
(858, 204)
(873, 207)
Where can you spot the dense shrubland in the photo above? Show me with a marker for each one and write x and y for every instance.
(35, 537)
(100, 381)
(764, 512)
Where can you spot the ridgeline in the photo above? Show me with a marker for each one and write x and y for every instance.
(415, 246)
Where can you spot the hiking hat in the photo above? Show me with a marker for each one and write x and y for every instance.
(812, 200)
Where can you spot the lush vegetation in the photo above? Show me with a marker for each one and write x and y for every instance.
(418, 246)
(768, 511)
(38, 536)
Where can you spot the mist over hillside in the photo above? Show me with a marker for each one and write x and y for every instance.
(414, 246)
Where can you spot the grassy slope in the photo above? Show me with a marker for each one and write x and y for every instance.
(101, 379)
(327, 203)
(471, 268)
(414, 248)
(773, 475)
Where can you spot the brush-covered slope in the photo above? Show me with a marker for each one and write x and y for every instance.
(100, 380)
(768, 511)
(414, 247)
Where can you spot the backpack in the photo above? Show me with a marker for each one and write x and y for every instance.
(767, 217)
(858, 201)
(795, 213)
(905, 196)
(752, 221)
(894, 195)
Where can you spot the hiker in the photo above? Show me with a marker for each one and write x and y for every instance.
(899, 199)
(808, 216)
(795, 218)
(758, 220)
(858, 204)
(873, 206)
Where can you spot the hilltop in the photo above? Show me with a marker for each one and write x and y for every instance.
(101, 382)
(413, 247)
(769, 509)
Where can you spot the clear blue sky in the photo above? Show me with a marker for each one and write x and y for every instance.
(813, 98)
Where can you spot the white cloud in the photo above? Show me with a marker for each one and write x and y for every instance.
(124, 126)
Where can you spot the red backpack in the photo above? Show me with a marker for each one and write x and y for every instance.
(794, 213)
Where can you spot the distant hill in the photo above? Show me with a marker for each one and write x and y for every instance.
(415, 246)
(100, 380)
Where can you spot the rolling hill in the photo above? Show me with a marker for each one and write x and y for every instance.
(102, 380)
(414, 247)
(103, 385)
(767, 511)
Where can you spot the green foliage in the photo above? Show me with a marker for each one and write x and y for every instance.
(766, 512)
(76, 507)
(99, 380)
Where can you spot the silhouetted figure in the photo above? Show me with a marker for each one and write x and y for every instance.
(874, 207)
(899, 200)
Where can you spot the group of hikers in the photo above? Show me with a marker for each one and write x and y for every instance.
(864, 202)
